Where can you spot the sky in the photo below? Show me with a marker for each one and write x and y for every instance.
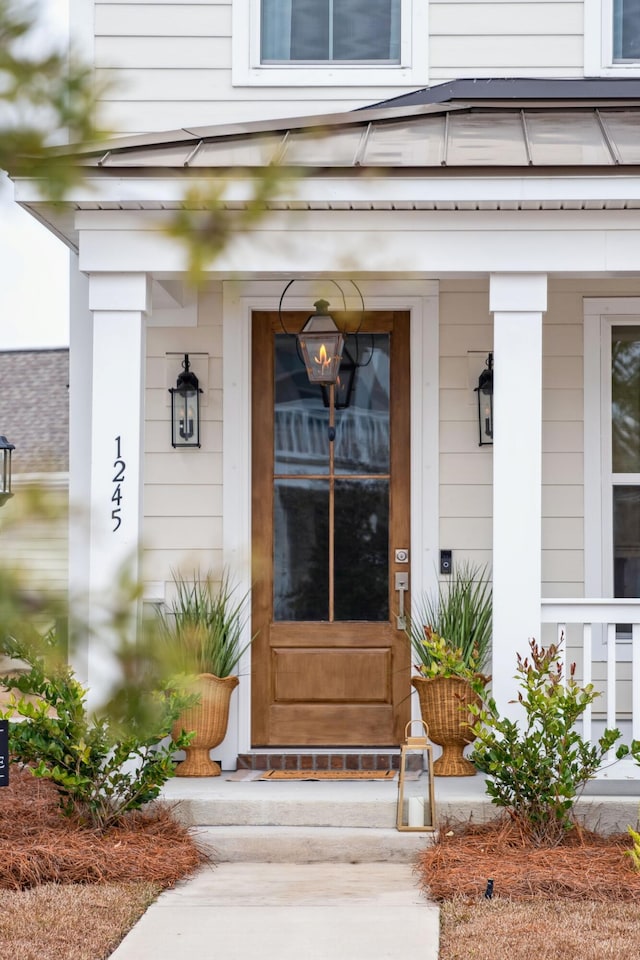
(34, 265)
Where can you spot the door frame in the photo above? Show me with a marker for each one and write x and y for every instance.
(239, 300)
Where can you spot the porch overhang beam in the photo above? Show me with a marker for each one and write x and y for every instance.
(370, 189)
(382, 242)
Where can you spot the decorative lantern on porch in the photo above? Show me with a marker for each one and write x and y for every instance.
(185, 408)
(6, 449)
(416, 797)
(321, 345)
(484, 390)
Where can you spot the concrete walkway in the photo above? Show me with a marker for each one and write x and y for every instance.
(315, 911)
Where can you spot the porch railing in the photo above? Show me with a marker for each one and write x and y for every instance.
(613, 626)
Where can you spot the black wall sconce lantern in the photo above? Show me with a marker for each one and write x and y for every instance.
(6, 449)
(185, 408)
(484, 390)
(343, 387)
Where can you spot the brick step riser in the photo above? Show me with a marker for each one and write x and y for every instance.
(320, 760)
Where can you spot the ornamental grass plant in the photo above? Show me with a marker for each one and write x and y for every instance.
(450, 629)
(202, 628)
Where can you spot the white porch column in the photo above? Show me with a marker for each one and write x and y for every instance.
(80, 377)
(119, 303)
(517, 302)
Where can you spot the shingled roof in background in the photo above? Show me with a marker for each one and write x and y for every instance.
(34, 408)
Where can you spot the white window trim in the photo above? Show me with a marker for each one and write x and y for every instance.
(599, 317)
(411, 71)
(598, 43)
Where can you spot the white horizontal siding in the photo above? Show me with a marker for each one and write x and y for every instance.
(562, 340)
(561, 436)
(481, 19)
(562, 501)
(173, 3)
(562, 565)
(561, 533)
(163, 20)
(194, 500)
(562, 404)
(506, 56)
(162, 52)
(184, 533)
(37, 548)
(466, 500)
(464, 467)
(158, 565)
(562, 588)
(562, 372)
(466, 533)
(561, 468)
(478, 336)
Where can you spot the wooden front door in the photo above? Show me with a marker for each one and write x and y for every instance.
(330, 510)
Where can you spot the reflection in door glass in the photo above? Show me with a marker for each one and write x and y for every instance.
(301, 422)
(331, 517)
(362, 428)
(301, 550)
(362, 550)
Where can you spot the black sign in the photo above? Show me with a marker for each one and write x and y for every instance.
(4, 753)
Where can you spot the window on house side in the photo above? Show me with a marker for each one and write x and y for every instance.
(626, 31)
(330, 31)
(625, 462)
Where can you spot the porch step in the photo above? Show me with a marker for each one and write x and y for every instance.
(272, 844)
(348, 821)
(294, 822)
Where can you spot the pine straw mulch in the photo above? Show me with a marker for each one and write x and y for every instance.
(39, 845)
(586, 866)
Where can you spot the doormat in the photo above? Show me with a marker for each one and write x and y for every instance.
(328, 775)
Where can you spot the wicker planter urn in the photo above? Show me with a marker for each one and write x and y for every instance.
(444, 702)
(208, 719)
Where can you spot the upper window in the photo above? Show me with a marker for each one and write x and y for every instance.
(612, 38)
(626, 31)
(330, 31)
(330, 42)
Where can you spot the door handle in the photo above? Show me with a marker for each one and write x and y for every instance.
(402, 585)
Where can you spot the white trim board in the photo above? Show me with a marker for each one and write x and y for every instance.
(599, 316)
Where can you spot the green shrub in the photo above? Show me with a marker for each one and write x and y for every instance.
(634, 853)
(102, 766)
(536, 768)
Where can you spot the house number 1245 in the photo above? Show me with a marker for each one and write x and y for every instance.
(118, 479)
